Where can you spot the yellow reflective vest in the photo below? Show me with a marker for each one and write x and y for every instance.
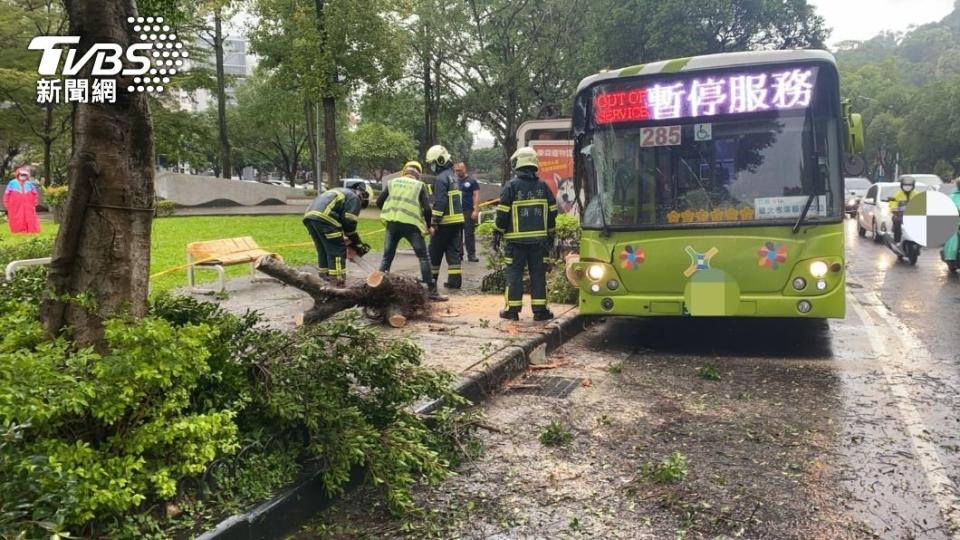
(403, 203)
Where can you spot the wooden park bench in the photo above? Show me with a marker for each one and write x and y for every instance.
(216, 254)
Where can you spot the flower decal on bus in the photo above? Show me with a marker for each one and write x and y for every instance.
(772, 255)
(631, 258)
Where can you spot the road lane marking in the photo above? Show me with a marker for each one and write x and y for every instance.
(942, 488)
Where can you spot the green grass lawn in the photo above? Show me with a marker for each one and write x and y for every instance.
(171, 236)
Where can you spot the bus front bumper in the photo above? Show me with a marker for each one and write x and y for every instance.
(830, 305)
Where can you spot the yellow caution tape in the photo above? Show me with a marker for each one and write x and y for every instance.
(213, 258)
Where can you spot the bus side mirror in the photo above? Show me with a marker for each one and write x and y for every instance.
(852, 130)
(855, 133)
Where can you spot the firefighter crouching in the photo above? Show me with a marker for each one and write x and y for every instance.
(331, 221)
(526, 219)
(447, 217)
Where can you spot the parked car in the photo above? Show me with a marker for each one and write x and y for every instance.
(854, 189)
(366, 195)
(874, 214)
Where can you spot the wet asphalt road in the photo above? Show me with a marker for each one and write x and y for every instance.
(845, 429)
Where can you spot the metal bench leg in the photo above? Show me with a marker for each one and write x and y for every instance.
(221, 280)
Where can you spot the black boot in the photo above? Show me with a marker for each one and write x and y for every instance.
(433, 295)
(542, 315)
(510, 314)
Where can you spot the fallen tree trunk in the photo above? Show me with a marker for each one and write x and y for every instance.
(392, 298)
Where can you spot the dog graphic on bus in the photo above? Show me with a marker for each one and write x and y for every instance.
(566, 194)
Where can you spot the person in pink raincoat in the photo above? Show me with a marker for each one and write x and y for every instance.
(20, 199)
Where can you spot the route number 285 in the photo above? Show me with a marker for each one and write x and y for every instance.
(660, 136)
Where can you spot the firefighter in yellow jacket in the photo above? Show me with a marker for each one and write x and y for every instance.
(447, 217)
(526, 219)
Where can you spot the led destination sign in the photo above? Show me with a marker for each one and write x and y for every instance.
(703, 96)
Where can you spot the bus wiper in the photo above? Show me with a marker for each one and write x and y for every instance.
(604, 228)
(803, 215)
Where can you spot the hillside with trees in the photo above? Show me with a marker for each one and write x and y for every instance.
(902, 83)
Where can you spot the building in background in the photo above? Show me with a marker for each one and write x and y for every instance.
(238, 65)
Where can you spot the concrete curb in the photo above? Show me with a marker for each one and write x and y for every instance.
(291, 508)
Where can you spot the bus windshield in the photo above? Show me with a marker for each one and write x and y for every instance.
(751, 156)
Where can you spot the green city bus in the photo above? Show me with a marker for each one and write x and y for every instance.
(713, 186)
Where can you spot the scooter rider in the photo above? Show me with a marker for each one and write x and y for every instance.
(898, 202)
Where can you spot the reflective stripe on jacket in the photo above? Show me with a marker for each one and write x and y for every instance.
(403, 203)
(528, 210)
(447, 199)
(339, 207)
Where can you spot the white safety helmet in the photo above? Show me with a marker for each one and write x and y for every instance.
(525, 157)
(438, 154)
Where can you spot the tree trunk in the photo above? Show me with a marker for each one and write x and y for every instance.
(330, 141)
(47, 143)
(392, 297)
(429, 131)
(225, 166)
(311, 118)
(509, 147)
(329, 104)
(102, 251)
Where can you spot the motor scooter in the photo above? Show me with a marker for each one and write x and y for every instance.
(950, 253)
(906, 248)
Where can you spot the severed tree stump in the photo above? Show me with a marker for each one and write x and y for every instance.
(391, 298)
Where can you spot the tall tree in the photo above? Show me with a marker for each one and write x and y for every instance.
(329, 48)
(513, 62)
(102, 251)
(217, 12)
(271, 124)
(20, 21)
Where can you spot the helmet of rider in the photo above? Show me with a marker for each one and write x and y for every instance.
(907, 183)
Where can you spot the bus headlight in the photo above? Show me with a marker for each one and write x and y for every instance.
(818, 269)
(595, 272)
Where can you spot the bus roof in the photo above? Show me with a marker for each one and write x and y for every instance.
(711, 61)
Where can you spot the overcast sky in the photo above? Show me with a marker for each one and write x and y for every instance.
(863, 19)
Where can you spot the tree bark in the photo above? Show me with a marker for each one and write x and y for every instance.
(47, 143)
(394, 298)
(331, 156)
(102, 251)
(311, 118)
(330, 141)
(225, 165)
(429, 132)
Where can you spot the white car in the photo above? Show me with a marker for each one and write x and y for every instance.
(874, 215)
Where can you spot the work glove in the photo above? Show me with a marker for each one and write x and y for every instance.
(361, 249)
(353, 240)
(497, 238)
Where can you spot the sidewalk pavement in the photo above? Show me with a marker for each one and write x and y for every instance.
(466, 335)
